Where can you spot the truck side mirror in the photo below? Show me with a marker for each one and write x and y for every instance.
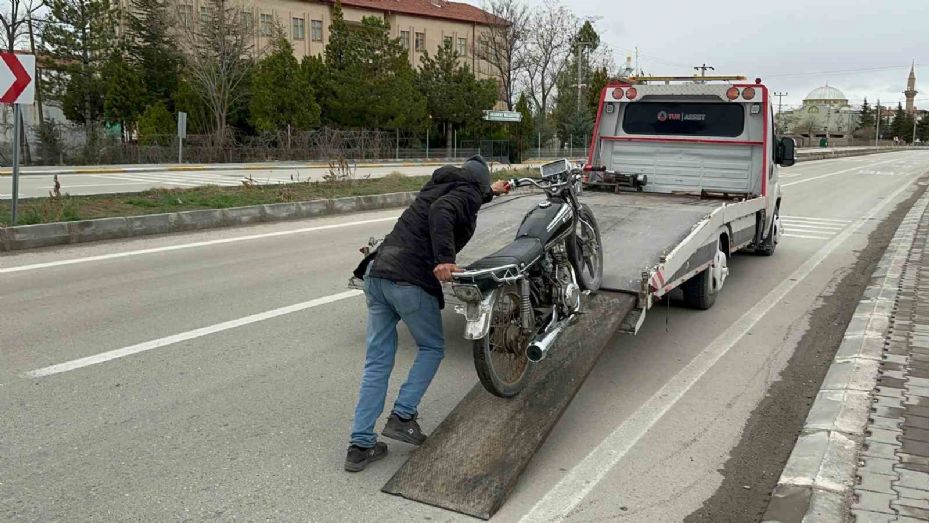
(786, 152)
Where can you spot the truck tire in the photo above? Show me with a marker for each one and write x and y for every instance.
(700, 291)
(770, 243)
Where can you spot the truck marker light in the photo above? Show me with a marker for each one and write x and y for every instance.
(631, 93)
(748, 93)
(732, 93)
(618, 93)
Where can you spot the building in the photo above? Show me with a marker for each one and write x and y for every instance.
(421, 25)
(825, 113)
(911, 91)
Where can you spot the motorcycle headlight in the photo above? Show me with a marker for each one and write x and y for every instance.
(467, 293)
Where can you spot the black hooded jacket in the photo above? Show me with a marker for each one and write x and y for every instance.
(432, 230)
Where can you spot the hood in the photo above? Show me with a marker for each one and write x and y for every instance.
(474, 171)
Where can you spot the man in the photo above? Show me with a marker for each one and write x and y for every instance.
(402, 282)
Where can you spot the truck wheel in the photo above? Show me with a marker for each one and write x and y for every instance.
(774, 235)
(700, 291)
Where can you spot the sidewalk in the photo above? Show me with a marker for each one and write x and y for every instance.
(863, 453)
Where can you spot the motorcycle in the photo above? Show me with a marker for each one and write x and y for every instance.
(518, 301)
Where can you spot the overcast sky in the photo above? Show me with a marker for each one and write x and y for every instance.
(863, 47)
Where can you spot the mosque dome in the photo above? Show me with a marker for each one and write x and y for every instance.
(826, 93)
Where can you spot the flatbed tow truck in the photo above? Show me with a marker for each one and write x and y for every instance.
(682, 173)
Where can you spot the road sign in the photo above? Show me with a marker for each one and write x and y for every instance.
(503, 116)
(16, 74)
(182, 124)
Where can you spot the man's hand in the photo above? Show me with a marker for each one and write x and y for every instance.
(443, 271)
(500, 187)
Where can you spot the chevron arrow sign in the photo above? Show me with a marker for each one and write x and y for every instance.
(16, 74)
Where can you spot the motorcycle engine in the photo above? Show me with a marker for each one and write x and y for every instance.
(568, 292)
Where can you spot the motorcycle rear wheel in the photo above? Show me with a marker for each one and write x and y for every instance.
(500, 357)
(586, 251)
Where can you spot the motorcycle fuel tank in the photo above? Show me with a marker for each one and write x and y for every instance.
(547, 221)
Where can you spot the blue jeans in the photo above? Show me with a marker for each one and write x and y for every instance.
(388, 303)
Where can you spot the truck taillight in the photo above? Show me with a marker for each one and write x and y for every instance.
(618, 93)
(631, 93)
(748, 93)
(732, 93)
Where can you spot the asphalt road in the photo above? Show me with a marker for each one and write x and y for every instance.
(213, 375)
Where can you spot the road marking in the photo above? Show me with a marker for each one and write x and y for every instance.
(843, 171)
(812, 219)
(788, 235)
(169, 248)
(185, 336)
(812, 228)
(577, 483)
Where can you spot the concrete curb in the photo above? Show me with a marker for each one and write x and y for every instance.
(819, 477)
(61, 233)
(270, 166)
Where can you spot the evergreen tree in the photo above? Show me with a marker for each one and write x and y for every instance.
(902, 126)
(866, 116)
(124, 95)
(370, 82)
(281, 94)
(598, 80)
(573, 118)
(156, 124)
(922, 129)
(153, 49)
(524, 129)
(79, 35)
(454, 97)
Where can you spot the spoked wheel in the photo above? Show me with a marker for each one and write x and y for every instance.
(500, 357)
(586, 252)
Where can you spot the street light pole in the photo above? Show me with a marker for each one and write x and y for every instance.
(877, 119)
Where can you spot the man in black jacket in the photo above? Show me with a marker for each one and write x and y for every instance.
(402, 282)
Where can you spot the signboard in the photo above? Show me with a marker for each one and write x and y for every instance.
(16, 74)
(503, 116)
(181, 125)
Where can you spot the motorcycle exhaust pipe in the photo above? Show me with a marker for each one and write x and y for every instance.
(539, 348)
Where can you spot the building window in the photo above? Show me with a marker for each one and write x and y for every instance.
(447, 42)
(405, 39)
(485, 49)
(299, 28)
(420, 41)
(204, 15)
(463, 46)
(266, 24)
(316, 30)
(186, 14)
(248, 21)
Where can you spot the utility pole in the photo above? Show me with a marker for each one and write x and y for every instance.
(703, 68)
(915, 119)
(780, 104)
(877, 131)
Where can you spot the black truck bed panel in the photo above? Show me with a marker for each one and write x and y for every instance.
(636, 229)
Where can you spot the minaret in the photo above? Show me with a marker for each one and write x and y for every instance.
(911, 91)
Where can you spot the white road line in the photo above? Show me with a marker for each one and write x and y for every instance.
(182, 246)
(843, 171)
(151, 181)
(811, 219)
(577, 483)
(812, 228)
(788, 235)
(184, 336)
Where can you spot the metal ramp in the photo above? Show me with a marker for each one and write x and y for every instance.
(472, 461)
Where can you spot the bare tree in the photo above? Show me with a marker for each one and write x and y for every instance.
(16, 18)
(506, 23)
(219, 56)
(549, 41)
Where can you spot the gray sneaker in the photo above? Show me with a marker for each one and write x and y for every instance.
(405, 431)
(359, 457)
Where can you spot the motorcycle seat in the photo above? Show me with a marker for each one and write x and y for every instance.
(520, 252)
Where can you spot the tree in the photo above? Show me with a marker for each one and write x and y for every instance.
(153, 50)
(922, 129)
(902, 126)
(281, 93)
(369, 79)
(551, 37)
(524, 129)
(866, 116)
(574, 110)
(16, 21)
(599, 79)
(501, 44)
(454, 97)
(218, 58)
(79, 35)
(124, 97)
(156, 122)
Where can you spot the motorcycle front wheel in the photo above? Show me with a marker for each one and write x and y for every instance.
(500, 357)
(586, 251)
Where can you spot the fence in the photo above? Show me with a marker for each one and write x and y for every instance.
(76, 145)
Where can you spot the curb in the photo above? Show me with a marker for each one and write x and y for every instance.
(222, 167)
(818, 480)
(62, 233)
